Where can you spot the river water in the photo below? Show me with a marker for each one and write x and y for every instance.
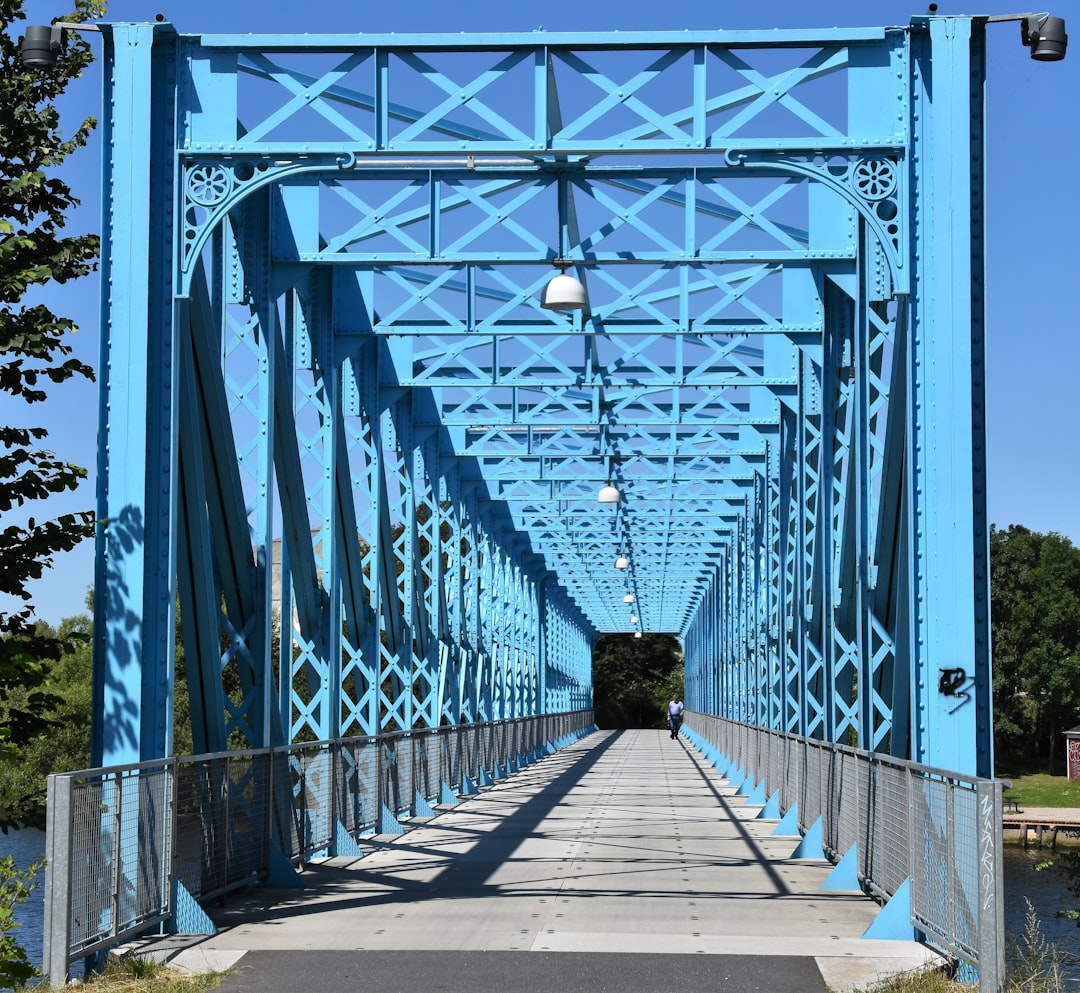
(1046, 890)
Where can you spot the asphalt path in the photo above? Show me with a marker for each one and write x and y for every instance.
(520, 972)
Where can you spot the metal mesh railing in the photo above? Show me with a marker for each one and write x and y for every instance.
(357, 785)
(116, 855)
(937, 831)
(449, 758)
(469, 750)
(427, 773)
(120, 840)
(222, 836)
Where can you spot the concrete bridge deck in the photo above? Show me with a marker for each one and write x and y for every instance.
(624, 862)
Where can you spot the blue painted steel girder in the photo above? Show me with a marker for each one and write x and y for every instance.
(377, 441)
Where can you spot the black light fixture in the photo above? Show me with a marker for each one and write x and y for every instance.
(42, 45)
(1045, 36)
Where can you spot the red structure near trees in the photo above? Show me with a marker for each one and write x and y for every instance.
(1072, 752)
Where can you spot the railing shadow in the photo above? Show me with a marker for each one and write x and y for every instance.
(463, 873)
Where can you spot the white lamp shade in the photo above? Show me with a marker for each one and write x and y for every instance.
(607, 494)
(563, 292)
(637, 634)
(629, 598)
(622, 562)
(633, 618)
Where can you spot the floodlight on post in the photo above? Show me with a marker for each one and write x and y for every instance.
(622, 562)
(43, 44)
(563, 292)
(1045, 36)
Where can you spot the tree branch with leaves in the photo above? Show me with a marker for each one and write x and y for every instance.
(35, 354)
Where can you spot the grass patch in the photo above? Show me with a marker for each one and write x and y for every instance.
(933, 981)
(140, 975)
(1044, 790)
(1034, 965)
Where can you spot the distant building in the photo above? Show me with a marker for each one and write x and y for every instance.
(1072, 752)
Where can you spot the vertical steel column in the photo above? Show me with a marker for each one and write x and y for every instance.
(315, 408)
(427, 571)
(812, 537)
(532, 635)
(514, 653)
(765, 595)
(952, 730)
(371, 491)
(789, 596)
(777, 587)
(543, 636)
(498, 615)
(327, 387)
(485, 645)
(472, 634)
(136, 474)
(716, 671)
(452, 606)
(351, 542)
(398, 537)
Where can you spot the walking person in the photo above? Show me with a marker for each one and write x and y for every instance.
(674, 715)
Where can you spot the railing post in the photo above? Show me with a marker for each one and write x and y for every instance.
(270, 828)
(991, 923)
(117, 859)
(333, 749)
(58, 840)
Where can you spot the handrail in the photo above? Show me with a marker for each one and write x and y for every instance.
(130, 847)
(930, 834)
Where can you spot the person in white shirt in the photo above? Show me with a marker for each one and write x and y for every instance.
(674, 715)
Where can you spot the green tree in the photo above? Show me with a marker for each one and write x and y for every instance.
(24, 776)
(15, 886)
(34, 354)
(633, 679)
(1035, 617)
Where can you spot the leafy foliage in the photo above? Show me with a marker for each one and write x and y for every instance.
(633, 679)
(1035, 615)
(35, 354)
(16, 885)
(24, 771)
(67, 746)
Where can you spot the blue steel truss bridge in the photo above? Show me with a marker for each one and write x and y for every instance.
(347, 426)
(325, 259)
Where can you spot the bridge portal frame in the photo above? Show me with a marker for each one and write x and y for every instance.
(304, 343)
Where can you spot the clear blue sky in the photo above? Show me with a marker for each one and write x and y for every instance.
(1032, 209)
